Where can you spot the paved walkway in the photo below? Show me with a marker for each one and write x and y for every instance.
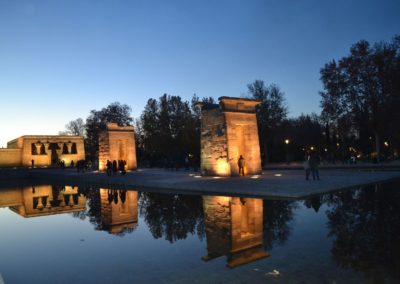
(277, 184)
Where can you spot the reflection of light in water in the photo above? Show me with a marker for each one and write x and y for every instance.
(197, 176)
(278, 175)
(139, 170)
(191, 175)
(95, 171)
(255, 176)
(216, 177)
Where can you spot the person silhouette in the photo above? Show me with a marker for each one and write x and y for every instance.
(241, 165)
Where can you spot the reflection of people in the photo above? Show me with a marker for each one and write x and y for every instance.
(241, 165)
(109, 167)
(114, 167)
(110, 196)
(122, 195)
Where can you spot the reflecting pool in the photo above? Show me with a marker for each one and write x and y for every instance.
(67, 234)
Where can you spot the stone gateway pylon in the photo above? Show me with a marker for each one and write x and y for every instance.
(234, 228)
(228, 131)
(117, 143)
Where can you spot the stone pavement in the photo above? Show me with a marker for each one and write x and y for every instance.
(276, 184)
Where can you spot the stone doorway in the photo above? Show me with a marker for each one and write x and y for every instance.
(53, 147)
(121, 151)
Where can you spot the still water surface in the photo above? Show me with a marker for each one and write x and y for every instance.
(65, 234)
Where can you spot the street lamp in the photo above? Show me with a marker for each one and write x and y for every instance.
(287, 141)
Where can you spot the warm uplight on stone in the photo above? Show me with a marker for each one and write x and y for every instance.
(44, 150)
(234, 227)
(117, 143)
(229, 130)
(119, 210)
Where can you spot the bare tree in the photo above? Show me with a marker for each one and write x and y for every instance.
(74, 127)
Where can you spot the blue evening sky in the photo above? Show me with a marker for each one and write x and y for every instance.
(60, 59)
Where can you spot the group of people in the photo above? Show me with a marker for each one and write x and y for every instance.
(114, 166)
(113, 196)
(311, 165)
(82, 165)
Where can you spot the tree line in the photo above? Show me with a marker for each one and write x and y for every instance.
(361, 98)
(359, 101)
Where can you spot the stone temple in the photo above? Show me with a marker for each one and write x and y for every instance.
(117, 143)
(45, 150)
(228, 131)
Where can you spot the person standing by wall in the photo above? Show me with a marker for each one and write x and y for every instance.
(241, 164)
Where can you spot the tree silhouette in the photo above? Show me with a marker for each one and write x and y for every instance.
(169, 130)
(74, 127)
(97, 121)
(172, 217)
(277, 215)
(361, 94)
(270, 114)
(365, 226)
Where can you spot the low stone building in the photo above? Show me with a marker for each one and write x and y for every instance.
(228, 131)
(44, 150)
(117, 143)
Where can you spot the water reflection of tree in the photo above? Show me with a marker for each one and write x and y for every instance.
(172, 217)
(366, 226)
(276, 221)
(93, 208)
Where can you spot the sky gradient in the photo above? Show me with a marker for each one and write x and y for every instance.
(61, 59)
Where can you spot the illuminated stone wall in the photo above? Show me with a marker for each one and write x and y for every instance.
(45, 150)
(234, 228)
(10, 197)
(119, 210)
(117, 143)
(229, 130)
(48, 200)
(10, 157)
(214, 152)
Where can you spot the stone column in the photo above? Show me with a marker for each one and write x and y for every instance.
(40, 205)
(60, 146)
(38, 145)
(46, 146)
(69, 147)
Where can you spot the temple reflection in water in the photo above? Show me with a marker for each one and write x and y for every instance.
(42, 200)
(119, 210)
(234, 228)
(233, 225)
